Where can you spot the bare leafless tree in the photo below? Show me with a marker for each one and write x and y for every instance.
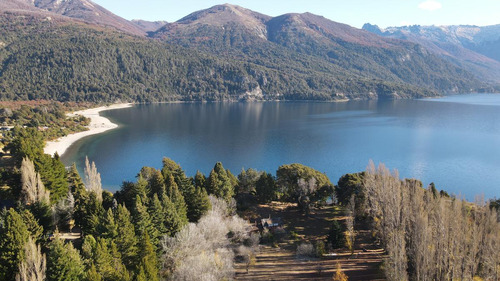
(351, 215)
(387, 204)
(439, 237)
(33, 267)
(93, 179)
(32, 188)
(203, 251)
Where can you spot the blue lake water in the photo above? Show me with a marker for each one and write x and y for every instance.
(452, 141)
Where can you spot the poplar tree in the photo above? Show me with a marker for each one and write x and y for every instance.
(33, 266)
(32, 188)
(93, 179)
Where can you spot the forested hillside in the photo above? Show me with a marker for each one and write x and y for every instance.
(307, 43)
(59, 58)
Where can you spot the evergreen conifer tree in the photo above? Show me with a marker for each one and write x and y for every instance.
(126, 240)
(64, 262)
(14, 235)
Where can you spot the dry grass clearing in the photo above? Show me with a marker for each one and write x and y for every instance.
(281, 263)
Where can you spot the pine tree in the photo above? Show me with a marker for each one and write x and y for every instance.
(64, 262)
(265, 188)
(92, 274)
(156, 183)
(142, 220)
(33, 266)
(107, 226)
(103, 259)
(176, 196)
(108, 262)
(200, 180)
(157, 214)
(172, 221)
(14, 235)
(148, 267)
(58, 185)
(219, 183)
(88, 212)
(35, 230)
(126, 240)
(140, 190)
(75, 182)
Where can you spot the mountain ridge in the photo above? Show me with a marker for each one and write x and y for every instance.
(84, 10)
(473, 47)
(225, 52)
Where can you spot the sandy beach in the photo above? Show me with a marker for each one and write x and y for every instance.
(98, 124)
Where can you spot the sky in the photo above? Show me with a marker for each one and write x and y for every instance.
(384, 13)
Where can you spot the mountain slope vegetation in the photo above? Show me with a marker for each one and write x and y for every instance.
(222, 53)
(471, 47)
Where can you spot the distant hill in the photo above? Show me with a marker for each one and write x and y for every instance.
(472, 47)
(303, 43)
(149, 26)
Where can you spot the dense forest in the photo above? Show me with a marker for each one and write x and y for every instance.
(168, 226)
(67, 61)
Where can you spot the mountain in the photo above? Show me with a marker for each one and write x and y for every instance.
(83, 10)
(471, 47)
(302, 44)
(149, 26)
(222, 53)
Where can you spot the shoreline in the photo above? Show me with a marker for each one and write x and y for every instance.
(98, 124)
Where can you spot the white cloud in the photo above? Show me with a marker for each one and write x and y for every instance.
(430, 5)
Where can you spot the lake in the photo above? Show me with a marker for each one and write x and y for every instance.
(452, 141)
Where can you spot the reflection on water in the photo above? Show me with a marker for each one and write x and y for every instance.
(454, 143)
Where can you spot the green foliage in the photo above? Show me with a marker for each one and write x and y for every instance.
(173, 220)
(143, 222)
(49, 119)
(247, 181)
(148, 268)
(157, 215)
(288, 176)
(14, 234)
(107, 227)
(219, 183)
(92, 274)
(64, 262)
(35, 230)
(108, 262)
(75, 182)
(126, 241)
(336, 237)
(265, 188)
(349, 185)
(88, 210)
(29, 142)
(42, 213)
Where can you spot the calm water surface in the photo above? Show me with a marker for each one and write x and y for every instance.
(453, 142)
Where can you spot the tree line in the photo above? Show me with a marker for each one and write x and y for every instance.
(166, 225)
